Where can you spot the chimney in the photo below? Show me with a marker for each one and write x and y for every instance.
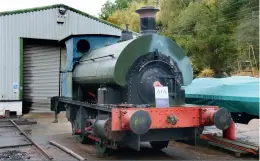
(147, 19)
(126, 34)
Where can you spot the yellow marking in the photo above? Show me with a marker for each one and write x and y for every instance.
(138, 121)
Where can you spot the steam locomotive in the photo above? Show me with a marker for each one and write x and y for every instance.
(113, 93)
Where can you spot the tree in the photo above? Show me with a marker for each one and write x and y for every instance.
(128, 16)
(107, 9)
(122, 4)
(213, 33)
(170, 10)
(247, 30)
(199, 28)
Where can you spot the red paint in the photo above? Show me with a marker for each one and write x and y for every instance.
(230, 132)
(186, 117)
(94, 138)
(92, 94)
(207, 116)
(77, 131)
(157, 84)
(88, 128)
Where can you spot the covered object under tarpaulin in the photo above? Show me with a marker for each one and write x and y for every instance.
(239, 94)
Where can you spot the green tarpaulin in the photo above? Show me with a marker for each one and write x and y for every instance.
(237, 93)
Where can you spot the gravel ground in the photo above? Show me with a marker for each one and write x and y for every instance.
(45, 131)
(13, 155)
(21, 154)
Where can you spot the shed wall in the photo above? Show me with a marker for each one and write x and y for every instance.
(39, 25)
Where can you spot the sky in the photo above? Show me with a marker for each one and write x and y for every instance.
(91, 7)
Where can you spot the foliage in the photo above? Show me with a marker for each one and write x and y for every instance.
(205, 39)
(108, 8)
(215, 34)
(128, 16)
(247, 31)
(196, 70)
(255, 73)
(206, 73)
(122, 17)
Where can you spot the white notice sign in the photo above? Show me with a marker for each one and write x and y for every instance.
(161, 92)
(161, 96)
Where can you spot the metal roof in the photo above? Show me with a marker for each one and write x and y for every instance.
(58, 6)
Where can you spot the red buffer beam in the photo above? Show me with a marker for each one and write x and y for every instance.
(143, 119)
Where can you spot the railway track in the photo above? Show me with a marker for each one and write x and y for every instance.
(15, 144)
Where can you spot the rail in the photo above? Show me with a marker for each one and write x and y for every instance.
(31, 142)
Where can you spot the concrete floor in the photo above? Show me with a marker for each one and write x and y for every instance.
(60, 132)
(246, 133)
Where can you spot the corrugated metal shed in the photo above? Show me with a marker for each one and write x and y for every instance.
(39, 23)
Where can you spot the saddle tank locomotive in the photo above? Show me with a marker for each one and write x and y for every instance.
(113, 99)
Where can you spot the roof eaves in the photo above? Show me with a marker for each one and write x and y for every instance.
(78, 35)
(29, 10)
(57, 6)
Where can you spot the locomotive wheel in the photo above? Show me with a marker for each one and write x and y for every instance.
(102, 150)
(80, 138)
(158, 145)
(78, 123)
